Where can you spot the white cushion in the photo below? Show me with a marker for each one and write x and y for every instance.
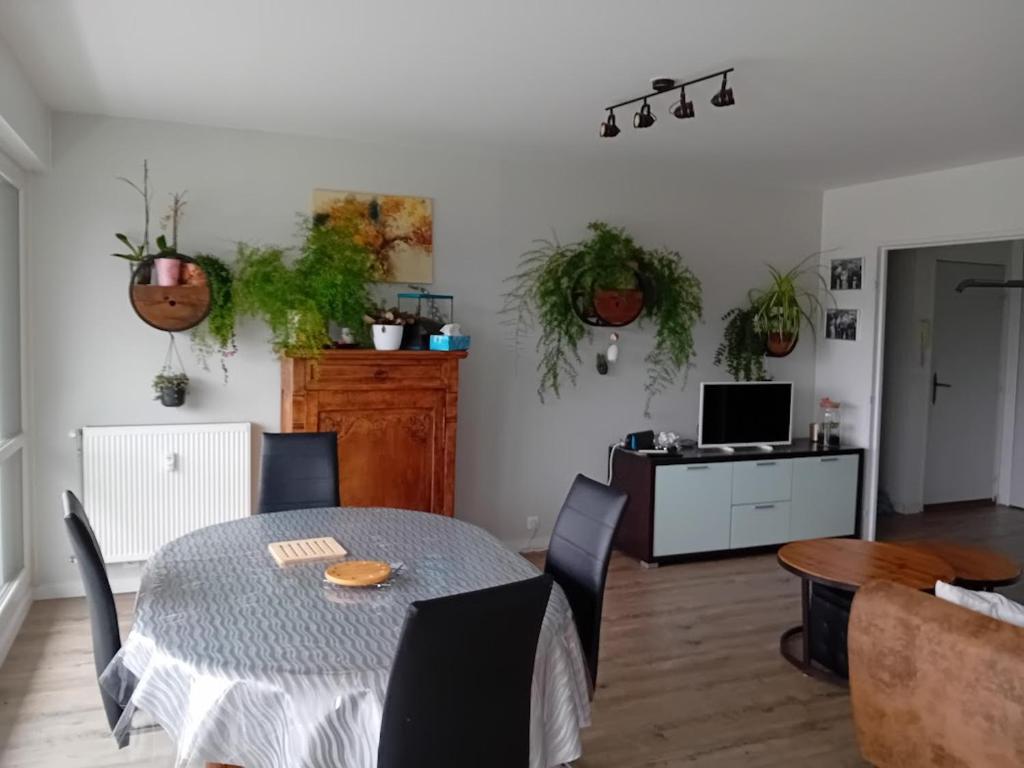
(988, 603)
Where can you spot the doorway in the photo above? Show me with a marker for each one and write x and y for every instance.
(949, 379)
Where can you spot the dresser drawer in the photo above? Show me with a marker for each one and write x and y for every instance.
(756, 525)
(762, 480)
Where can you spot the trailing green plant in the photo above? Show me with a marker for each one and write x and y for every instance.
(328, 281)
(166, 380)
(675, 303)
(791, 299)
(217, 334)
(554, 285)
(742, 346)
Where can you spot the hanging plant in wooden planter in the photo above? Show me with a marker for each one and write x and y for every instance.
(790, 301)
(769, 325)
(605, 280)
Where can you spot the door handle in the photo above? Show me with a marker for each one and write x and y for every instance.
(936, 384)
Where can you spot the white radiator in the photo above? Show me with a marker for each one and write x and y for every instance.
(145, 486)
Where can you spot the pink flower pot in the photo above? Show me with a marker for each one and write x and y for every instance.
(168, 271)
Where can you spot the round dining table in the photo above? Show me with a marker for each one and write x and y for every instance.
(249, 663)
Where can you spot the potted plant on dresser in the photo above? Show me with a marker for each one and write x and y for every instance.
(328, 282)
(389, 327)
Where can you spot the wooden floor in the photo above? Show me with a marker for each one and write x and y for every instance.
(690, 671)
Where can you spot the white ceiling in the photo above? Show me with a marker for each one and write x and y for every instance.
(828, 92)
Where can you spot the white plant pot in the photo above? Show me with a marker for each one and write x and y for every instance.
(388, 337)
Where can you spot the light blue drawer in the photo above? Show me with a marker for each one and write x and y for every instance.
(692, 508)
(762, 480)
(824, 496)
(756, 525)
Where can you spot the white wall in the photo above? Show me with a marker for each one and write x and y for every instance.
(94, 359)
(909, 324)
(977, 202)
(24, 118)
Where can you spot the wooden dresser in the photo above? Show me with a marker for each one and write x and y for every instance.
(395, 415)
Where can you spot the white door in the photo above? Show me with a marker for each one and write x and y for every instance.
(963, 419)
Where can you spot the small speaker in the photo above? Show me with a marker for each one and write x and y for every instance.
(640, 441)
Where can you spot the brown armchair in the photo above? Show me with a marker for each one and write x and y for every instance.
(933, 684)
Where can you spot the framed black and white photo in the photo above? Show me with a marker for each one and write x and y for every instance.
(846, 274)
(841, 324)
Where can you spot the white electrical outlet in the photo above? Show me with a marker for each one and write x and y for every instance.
(532, 522)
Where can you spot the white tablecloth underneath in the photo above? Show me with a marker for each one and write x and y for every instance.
(247, 663)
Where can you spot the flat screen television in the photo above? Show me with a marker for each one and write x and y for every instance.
(749, 413)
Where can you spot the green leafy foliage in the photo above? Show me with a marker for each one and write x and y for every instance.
(135, 252)
(217, 334)
(555, 282)
(335, 273)
(676, 306)
(329, 281)
(791, 299)
(165, 380)
(742, 347)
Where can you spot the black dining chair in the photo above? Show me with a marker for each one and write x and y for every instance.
(581, 545)
(299, 471)
(106, 635)
(459, 691)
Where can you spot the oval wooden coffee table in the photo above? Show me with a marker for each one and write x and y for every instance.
(830, 571)
(976, 568)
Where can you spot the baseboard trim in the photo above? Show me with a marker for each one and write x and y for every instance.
(118, 584)
(954, 505)
(535, 544)
(13, 610)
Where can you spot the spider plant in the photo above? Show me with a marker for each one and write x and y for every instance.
(790, 300)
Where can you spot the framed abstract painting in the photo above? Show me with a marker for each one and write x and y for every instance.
(397, 229)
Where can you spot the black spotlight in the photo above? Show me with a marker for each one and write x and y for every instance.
(724, 97)
(608, 127)
(643, 118)
(683, 109)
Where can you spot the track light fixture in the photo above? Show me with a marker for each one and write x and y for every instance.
(644, 118)
(683, 109)
(608, 128)
(724, 97)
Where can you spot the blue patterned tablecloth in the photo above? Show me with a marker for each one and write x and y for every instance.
(247, 663)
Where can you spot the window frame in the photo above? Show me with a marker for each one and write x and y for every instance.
(11, 173)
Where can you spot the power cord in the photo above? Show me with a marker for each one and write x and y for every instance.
(611, 456)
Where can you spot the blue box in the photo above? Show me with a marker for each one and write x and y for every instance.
(441, 343)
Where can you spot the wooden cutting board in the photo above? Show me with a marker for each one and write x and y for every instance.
(306, 550)
(358, 573)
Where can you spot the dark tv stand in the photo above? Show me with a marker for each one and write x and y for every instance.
(710, 500)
